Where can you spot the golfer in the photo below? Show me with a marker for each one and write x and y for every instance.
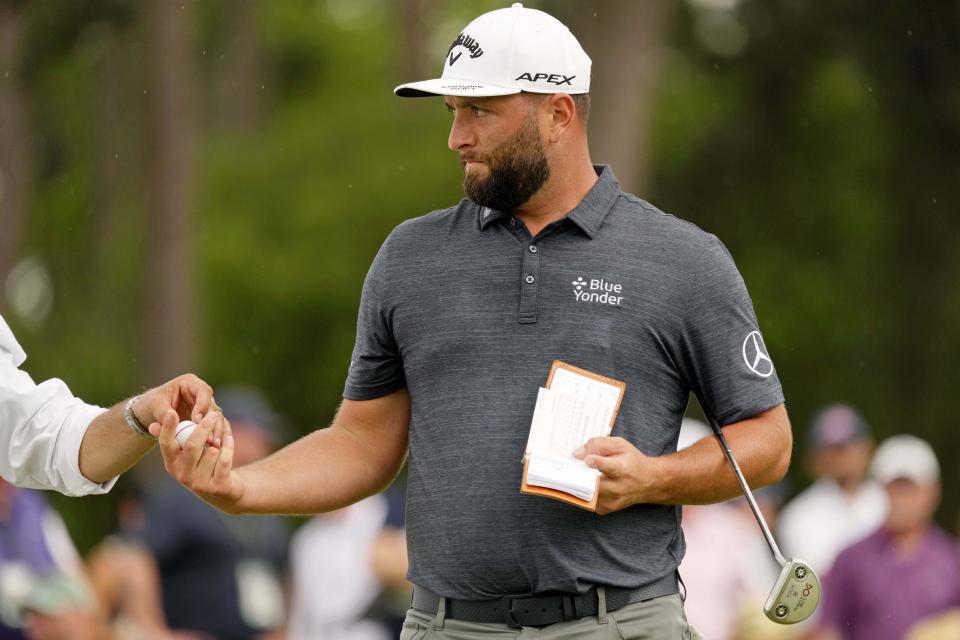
(462, 313)
(53, 440)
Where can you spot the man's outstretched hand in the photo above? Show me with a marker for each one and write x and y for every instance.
(203, 467)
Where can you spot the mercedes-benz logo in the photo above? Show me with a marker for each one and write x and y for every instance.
(755, 355)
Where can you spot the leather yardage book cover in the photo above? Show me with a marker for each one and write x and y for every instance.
(556, 494)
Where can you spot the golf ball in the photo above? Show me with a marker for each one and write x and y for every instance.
(184, 429)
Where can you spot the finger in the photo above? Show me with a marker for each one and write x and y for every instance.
(182, 391)
(221, 426)
(610, 496)
(207, 464)
(600, 447)
(221, 475)
(609, 467)
(194, 446)
(168, 430)
(183, 399)
(167, 435)
(182, 395)
(205, 429)
(156, 427)
(202, 397)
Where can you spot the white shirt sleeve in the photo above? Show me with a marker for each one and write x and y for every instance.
(41, 428)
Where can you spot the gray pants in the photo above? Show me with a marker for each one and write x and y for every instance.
(657, 619)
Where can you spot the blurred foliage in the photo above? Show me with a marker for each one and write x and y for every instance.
(825, 156)
(824, 152)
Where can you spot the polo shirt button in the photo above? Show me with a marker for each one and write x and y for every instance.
(533, 249)
(531, 279)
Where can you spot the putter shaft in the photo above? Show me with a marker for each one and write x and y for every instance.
(748, 494)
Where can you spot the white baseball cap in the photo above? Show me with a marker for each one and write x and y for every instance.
(906, 457)
(508, 51)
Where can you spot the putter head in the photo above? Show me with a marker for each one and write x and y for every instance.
(795, 596)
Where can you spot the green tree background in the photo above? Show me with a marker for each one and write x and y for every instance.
(202, 185)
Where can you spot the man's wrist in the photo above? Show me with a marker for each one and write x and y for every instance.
(133, 420)
(656, 477)
(141, 410)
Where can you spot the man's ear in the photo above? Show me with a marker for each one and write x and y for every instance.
(561, 112)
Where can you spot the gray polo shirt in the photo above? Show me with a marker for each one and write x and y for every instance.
(467, 311)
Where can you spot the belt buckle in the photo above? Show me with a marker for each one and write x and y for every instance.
(572, 607)
(507, 604)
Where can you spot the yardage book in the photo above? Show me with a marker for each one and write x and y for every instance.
(574, 406)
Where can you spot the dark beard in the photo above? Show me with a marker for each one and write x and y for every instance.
(518, 168)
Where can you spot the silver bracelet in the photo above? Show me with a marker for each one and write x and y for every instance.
(132, 420)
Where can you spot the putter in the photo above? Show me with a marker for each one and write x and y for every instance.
(796, 594)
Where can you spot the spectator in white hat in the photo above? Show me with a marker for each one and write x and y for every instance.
(905, 572)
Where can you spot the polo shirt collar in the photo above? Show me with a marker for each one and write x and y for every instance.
(488, 216)
(593, 209)
(588, 215)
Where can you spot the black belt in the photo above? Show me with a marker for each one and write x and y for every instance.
(541, 609)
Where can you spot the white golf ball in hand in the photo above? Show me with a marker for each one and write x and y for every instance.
(184, 429)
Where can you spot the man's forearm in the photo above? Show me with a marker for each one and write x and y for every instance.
(358, 456)
(701, 474)
(110, 447)
(326, 470)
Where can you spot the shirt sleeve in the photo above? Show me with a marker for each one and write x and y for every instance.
(723, 355)
(41, 428)
(376, 368)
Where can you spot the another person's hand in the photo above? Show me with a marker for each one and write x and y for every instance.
(627, 475)
(189, 397)
(206, 469)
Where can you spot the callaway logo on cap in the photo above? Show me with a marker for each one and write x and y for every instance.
(508, 51)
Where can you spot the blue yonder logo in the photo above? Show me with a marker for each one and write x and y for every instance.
(597, 290)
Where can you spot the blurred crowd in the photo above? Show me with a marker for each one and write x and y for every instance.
(177, 569)
(866, 526)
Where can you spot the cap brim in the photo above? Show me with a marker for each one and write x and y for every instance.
(452, 87)
(917, 476)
